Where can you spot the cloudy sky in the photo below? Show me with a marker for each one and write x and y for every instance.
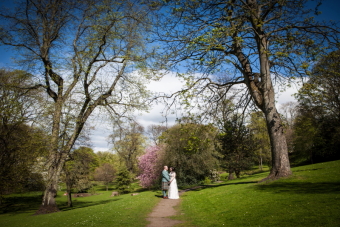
(168, 84)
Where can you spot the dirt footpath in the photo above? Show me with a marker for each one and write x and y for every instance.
(159, 217)
(164, 209)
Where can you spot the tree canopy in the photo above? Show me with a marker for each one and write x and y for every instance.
(252, 42)
(86, 54)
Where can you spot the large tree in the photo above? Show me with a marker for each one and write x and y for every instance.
(21, 141)
(237, 146)
(84, 53)
(77, 170)
(249, 42)
(129, 143)
(189, 147)
(105, 173)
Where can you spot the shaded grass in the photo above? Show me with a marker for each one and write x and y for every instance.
(96, 210)
(310, 197)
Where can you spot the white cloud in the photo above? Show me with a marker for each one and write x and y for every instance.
(169, 84)
(286, 95)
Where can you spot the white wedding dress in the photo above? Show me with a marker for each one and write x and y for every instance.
(173, 190)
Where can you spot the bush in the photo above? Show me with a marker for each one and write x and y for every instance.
(123, 181)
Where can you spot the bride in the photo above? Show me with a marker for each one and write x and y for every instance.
(173, 190)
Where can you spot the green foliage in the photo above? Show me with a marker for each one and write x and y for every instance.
(258, 129)
(190, 148)
(22, 144)
(124, 181)
(207, 180)
(317, 126)
(108, 157)
(105, 173)
(237, 145)
(79, 169)
(315, 140)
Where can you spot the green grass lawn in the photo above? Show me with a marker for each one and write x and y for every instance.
(98, 210)
(310, 197)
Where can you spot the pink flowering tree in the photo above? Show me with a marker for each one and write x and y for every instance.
(150, 166)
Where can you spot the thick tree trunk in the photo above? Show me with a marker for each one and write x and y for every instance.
(279, 148)
(49, 204)
(69, 196)
(231, 174)
(280, 160)
(262, 91)
(56, 161)
(264, 97)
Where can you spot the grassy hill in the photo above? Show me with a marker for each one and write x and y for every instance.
(310, 197)
(98, 210)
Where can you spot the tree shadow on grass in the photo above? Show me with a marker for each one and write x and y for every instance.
(300, 187)
(30, 204)
(142, 190)
(20, 204)
(304, 170)
(82, 204)
(202, 187)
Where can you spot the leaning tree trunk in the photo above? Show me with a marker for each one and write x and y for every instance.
(279, 148)
(280, 160)
(262, 92)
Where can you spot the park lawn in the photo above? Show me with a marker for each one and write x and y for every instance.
(97, 210)
(310, 197)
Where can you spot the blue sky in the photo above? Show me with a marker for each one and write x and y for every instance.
(329, 9)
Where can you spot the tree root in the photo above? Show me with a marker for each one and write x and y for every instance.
(43, 209)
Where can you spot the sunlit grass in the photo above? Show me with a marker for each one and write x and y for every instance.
(310, 197)
(97, 210)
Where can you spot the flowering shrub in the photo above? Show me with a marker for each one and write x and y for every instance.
(149, 166)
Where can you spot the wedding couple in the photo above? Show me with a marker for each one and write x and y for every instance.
(169, 183)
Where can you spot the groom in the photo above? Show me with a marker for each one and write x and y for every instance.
(165, 181)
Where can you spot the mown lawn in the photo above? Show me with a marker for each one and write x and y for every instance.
(310, 197)
(97, 210)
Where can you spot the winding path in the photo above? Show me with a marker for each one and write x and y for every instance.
(159, 217)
